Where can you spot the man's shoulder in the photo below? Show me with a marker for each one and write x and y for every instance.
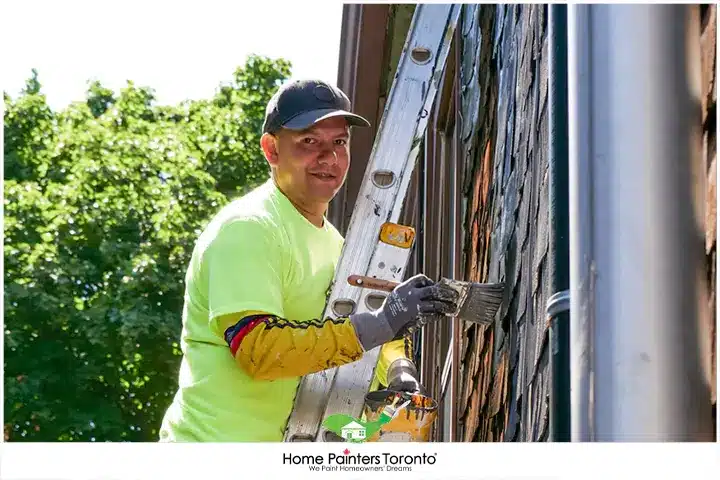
(253, 213)
(258, 201)
(256, 206)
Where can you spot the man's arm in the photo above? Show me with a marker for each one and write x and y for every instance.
(244, 266)
(268, 347)
(249, 346)
(244, 269)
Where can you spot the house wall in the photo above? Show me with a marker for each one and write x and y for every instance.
(504, 367)
(479, 203)
(504, 386)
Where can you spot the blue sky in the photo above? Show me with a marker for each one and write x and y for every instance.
(180, 51)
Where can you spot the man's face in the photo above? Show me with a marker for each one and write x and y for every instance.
(312, 164)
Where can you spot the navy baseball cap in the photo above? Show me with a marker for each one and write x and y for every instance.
(300, 104)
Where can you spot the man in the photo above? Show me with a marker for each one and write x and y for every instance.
(257, 282)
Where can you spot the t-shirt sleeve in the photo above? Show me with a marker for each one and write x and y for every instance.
(245, 279)
(243, 267)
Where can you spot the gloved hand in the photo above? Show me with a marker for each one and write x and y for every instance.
(402, 376)
(411, 303)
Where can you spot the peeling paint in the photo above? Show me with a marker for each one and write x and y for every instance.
(508, 236)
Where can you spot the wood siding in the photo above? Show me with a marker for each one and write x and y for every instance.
(504, 372)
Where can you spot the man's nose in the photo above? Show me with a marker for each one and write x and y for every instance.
(328, 156)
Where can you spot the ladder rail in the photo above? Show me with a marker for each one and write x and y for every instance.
(393, 157)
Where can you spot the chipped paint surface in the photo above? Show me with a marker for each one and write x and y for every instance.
(505, 374)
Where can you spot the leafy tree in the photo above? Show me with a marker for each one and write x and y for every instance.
(103, 203)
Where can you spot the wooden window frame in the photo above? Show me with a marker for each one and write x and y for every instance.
(439, 225)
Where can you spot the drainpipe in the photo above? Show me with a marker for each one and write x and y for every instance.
(558, 308)
(580, 211)
(637, 225)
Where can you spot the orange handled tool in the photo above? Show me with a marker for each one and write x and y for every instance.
(372, 282)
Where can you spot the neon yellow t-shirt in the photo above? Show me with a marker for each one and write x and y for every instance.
(259, 254)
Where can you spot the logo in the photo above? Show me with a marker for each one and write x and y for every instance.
(351, 429)
(358, 462)
(355, 430)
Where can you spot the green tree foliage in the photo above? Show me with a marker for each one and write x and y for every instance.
(103, 203)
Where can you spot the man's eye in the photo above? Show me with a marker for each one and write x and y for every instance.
(341, 141)
(308, 140)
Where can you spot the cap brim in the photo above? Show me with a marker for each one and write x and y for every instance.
(308, 119)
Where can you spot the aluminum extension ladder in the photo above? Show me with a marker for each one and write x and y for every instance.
(375, 244)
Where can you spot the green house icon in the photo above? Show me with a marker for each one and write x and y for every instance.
(353, 431)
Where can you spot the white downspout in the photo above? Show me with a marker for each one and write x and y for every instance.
(637, 228)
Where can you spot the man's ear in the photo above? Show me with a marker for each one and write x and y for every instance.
(270, 148)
